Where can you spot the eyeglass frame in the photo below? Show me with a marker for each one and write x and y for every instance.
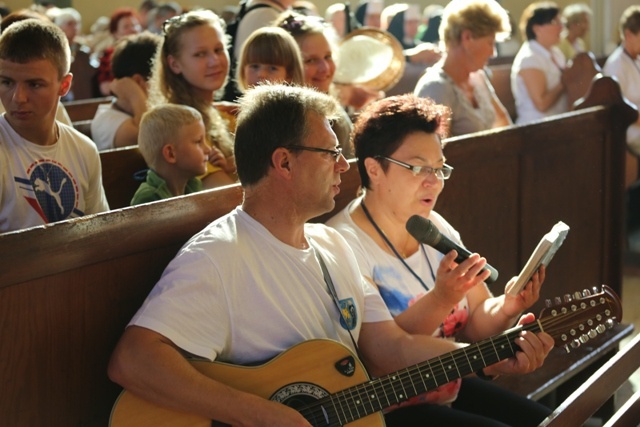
(445, 171)
(334, 153)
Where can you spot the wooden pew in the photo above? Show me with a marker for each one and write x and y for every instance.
(84, 109)
(68, 289)
(83, 126)
(118, 168)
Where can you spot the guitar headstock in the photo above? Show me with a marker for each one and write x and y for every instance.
(575, 319)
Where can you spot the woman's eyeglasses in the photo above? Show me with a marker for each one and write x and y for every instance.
(441, 173)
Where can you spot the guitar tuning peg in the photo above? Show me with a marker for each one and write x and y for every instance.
(557, 301)
(601, 328)
(575, 344)
(566, 348)
(609, 323)
(548, 303)
(577, 295)
(567, 298)
(593, 333)
(596, 290)
(584, 338)
(586, 293)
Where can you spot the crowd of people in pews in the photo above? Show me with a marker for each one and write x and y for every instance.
(158, 52)
(285, 134)
(163, 52)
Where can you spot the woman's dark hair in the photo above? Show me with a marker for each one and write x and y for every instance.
(539, 13)
(382, 127)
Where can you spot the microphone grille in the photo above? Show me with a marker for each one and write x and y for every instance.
(423, 230)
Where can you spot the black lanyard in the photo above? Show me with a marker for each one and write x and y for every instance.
(393, 249)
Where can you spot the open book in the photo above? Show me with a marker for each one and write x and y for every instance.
(542, 255)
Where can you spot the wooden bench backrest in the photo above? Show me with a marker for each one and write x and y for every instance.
(84, 109)
(500, 77)
(118, 168)
(67, 290)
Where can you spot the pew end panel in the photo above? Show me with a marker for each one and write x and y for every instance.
(578, 76)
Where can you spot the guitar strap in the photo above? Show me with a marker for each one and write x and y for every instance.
(334, 295)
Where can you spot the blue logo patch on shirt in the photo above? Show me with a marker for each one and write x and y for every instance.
(349, 317)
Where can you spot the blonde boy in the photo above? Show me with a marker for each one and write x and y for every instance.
(172, 142)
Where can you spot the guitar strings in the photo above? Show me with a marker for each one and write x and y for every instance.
(392, 387)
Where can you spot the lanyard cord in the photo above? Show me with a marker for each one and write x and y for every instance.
(332, 290)
(393, 249)
(633, 60)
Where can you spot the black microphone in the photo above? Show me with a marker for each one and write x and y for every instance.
(424, 231)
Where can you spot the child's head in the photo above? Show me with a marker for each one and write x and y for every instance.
(31, 40)
(173, 135)
(313, 37)
(134, 55)
(270, 54)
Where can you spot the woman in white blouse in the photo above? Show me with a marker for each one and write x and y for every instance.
(536, 74)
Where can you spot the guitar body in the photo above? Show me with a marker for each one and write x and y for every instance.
(325, 382)
(307, 368)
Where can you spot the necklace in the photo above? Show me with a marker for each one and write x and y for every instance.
(393, 249)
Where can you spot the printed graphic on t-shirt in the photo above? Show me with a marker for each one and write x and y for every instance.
(50, 190)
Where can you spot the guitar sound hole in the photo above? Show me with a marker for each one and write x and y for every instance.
(299, 396)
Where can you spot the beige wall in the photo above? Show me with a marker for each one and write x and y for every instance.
(603, 36)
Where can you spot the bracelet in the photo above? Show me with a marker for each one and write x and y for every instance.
(480, 374)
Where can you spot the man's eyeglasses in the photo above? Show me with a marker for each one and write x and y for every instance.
(441, 173)
(334, 153)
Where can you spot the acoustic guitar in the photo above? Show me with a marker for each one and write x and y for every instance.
(328, 385)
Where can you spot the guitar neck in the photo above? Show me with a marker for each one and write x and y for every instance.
(364, 399)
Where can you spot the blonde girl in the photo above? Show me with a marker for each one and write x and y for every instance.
(270, 54)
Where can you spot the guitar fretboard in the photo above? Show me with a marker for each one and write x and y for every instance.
(367, 398)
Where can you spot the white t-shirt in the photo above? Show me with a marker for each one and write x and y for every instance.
(40, 185)
(237, 294)
(533, 55)
(627, 72)
(105, 124)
